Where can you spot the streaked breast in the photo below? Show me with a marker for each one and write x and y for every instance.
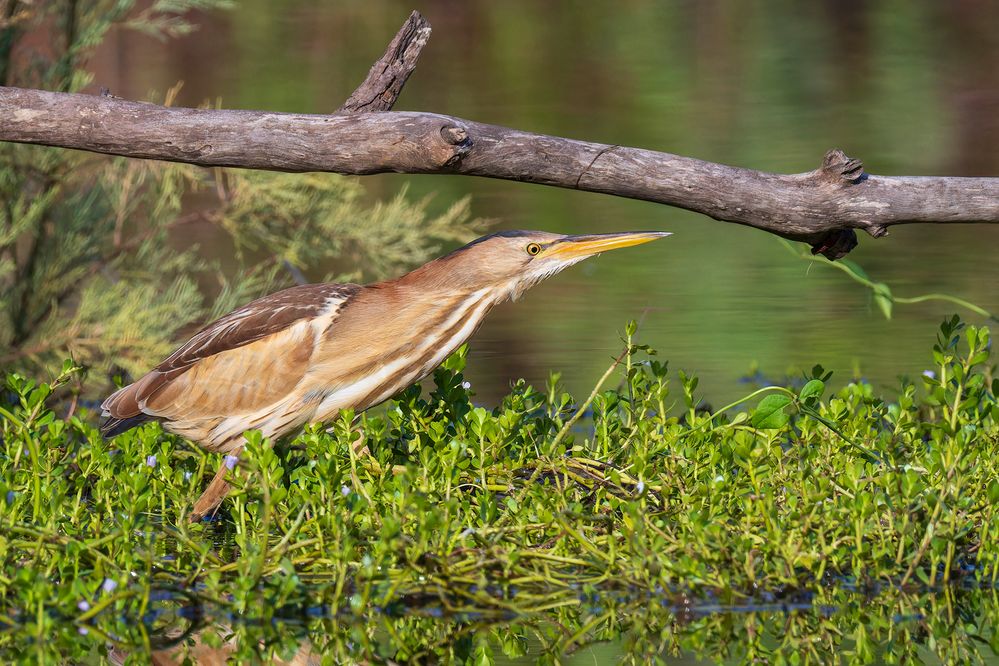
(367, 356)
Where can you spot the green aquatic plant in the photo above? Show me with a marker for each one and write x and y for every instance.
(565, 521)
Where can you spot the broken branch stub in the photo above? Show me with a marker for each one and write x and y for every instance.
(381, 88)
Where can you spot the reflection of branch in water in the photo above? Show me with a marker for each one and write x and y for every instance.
(179, 604)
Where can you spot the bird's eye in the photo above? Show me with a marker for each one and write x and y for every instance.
(533, 249)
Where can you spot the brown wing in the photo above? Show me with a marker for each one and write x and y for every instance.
(268, 324)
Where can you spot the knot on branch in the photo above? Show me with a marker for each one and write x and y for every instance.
(876, 230)
(838, 168)
(835, 244)
(460, 142)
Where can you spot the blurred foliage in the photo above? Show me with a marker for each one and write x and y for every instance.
(852, 527)
(96, 257)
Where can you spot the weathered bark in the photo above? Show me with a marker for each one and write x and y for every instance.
(381, 88)
(821, 207)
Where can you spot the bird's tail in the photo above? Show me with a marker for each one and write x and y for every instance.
(112, 426)
(121, 410)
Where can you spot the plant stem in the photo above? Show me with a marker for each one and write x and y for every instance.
(586, 403)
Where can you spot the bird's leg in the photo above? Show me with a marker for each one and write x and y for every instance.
(361, 450)
(360, 446)
(213, 495)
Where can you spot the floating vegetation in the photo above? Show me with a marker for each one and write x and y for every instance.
(798, 525)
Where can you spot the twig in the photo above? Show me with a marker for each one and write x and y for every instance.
(586, 403)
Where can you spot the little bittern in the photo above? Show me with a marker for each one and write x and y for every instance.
(303, 354)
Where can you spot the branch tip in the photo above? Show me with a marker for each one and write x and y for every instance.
(386, 78)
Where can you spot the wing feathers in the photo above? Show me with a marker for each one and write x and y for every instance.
(256, 320)
(238, 362)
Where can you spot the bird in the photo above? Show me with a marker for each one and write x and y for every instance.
(303, 354)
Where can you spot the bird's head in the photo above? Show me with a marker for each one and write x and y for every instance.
(514, 261)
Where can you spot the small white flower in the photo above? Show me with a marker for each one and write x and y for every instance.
(151, 461)
(84, 606)
(83, 631)
(467, 532)
(466, 385)
(345, 490)
(188, 475)
(230, 462)
(930, 374)
(640, 487)
(109, 585)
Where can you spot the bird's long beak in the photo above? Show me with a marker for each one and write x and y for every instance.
(573, 247)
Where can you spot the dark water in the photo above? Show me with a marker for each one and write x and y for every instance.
(909, 87)
(949, 625)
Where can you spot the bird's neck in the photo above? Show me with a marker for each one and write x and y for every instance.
(424, 306)
(426, 320)
(390, 336)
(436, 283)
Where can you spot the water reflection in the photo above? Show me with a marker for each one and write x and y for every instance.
(834, 625)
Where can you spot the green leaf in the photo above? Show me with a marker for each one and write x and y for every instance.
(883, 298)
(812, 391)
(855, 269)
(979, 358)
(818, 372)
(769, 414)
(457, 360)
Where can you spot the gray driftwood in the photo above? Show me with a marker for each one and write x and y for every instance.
(821, 207)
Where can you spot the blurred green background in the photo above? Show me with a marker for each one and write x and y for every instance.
(910, 87)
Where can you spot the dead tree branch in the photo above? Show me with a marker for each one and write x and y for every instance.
(381, 88)
(821, 207)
